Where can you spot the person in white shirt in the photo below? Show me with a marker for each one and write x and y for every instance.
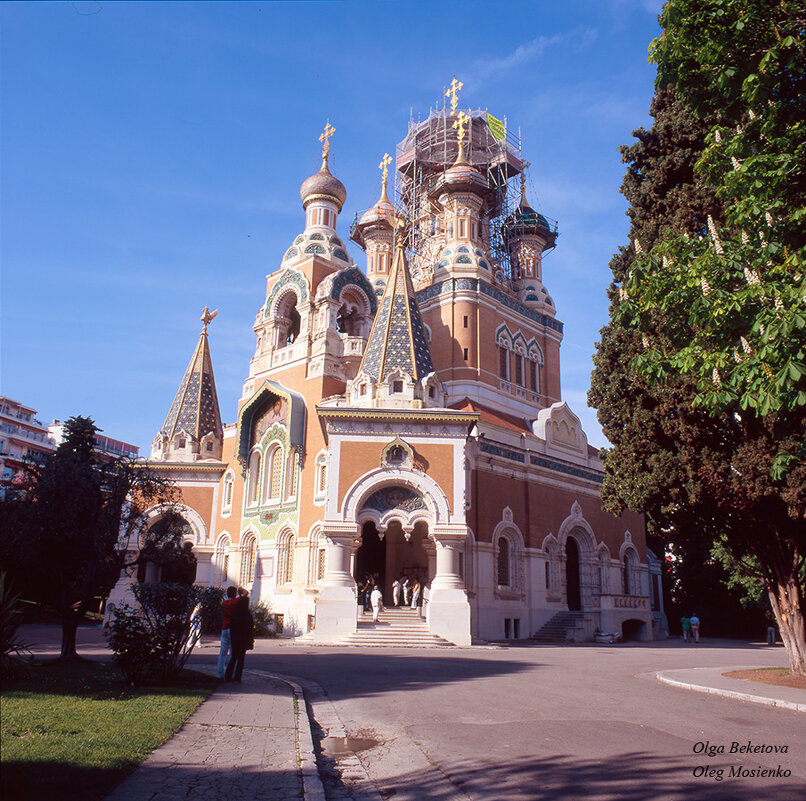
(406, 591)
(396, 592)
(376, 599)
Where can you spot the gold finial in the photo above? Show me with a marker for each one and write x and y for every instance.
(207, 317)
(526, 165)
(460, 124)
(384, 165)
(324, 137)
(453, 92)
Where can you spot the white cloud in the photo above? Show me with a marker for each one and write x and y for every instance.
(484, 69)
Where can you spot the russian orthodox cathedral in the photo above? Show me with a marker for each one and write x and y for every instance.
(403, 419)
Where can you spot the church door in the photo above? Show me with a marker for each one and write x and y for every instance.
(572, 574)
(370, 559)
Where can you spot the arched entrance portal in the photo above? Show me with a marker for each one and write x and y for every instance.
(572, 574)
(370, 558)
(393, 556)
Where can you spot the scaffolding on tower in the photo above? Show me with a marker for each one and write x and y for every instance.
(429, 149)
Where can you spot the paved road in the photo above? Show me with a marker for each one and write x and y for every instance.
(551, 722)
(537, 723)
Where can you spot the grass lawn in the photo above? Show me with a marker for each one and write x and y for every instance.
(74, 732)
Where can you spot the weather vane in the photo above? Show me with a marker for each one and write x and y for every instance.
(453, 92)
(207, 317)
(324, 137)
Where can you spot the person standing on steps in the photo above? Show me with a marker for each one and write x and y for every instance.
(376, 599)
(396, 585)
(225, 651)
(406, 587)
(241, 628)
(415, 594)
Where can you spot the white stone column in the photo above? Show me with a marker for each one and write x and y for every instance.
(336, 605)
(448, 607)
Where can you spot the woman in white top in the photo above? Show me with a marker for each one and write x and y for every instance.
(415, 594)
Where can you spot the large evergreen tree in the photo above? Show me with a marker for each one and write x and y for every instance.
(712, 316)
(647, 423)
(76, 522)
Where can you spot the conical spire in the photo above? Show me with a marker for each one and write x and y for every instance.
(195, 409)
(397, 340)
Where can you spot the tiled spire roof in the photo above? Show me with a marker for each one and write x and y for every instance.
(195, 407)
(397, 340)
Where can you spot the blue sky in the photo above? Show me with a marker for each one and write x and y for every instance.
(152, 155)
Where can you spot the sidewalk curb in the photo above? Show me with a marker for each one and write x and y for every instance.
(312, 788)
(755, 699)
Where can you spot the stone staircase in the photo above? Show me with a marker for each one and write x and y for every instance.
(397, 627)
(557, 629)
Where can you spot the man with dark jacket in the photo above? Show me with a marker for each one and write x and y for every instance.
(241, 636)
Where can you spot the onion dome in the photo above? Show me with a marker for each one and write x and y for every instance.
(462, 178)
(525, 221)
(323, 185)
(380, 211)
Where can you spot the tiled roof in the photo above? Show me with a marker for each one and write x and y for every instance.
(397, 340)
(195, 407)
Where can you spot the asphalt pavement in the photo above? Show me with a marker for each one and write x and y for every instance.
(655, 721)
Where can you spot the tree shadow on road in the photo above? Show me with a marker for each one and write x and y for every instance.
(632, 776)
(383, 672)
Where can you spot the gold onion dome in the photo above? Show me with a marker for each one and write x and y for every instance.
(323, 185)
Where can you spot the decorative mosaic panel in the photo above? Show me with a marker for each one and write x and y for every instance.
(404, 498)
(356, 277)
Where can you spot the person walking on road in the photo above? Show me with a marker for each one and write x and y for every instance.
(376, 599)
(685, 625)
(241, 628)
(694, 622)
(225, 650)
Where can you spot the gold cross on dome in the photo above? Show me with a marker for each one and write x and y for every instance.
(460, 124)
(384, 165)
(453, 92)
(207, 317)
(524, 167)
(324, 137)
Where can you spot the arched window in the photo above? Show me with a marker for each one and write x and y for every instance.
(273, 474)
(254, 478)
(629, 574)
(503, 567)
(248, 558)
(288, 319)
(503, 363)
(285, 557)
(519, 370)
(226, 497)
(221, 561)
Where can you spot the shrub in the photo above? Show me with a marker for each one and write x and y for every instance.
(11, 646)
(154, 641)
(264, 623)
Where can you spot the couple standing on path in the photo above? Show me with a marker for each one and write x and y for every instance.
(691, 628)
(236, 634)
